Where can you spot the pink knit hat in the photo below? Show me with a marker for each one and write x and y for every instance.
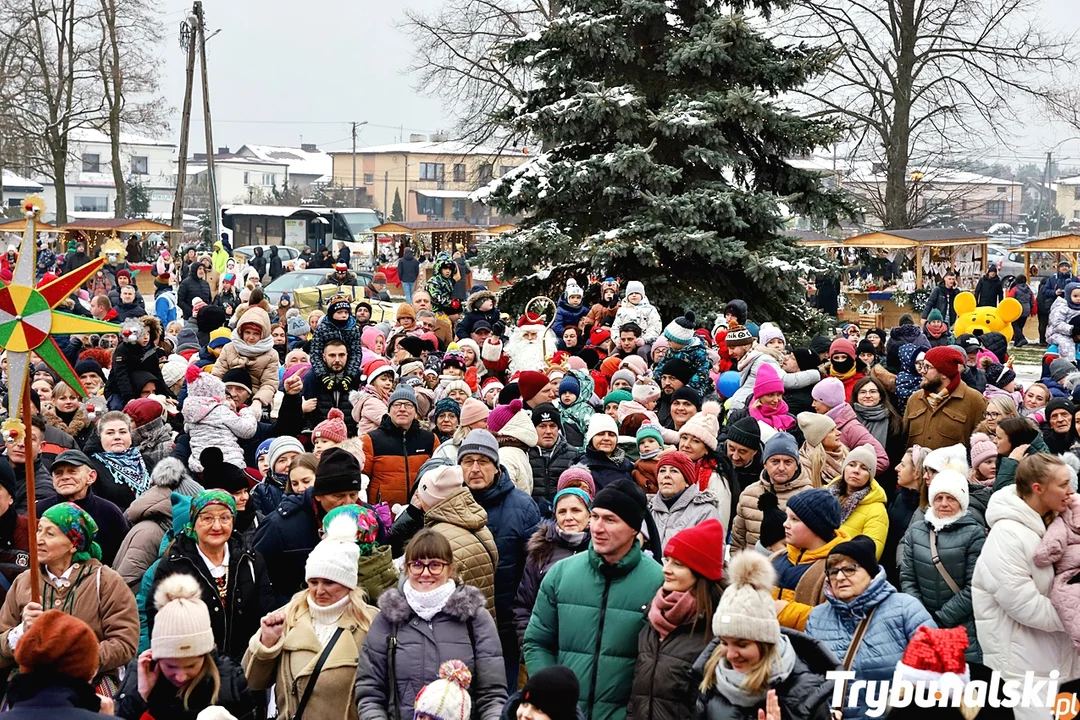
(636, 365)
(982, 449)
(502, 415)
(576, 363)
(705, 425)
(842, 345)
(576, 474)
(473, 410)
(332, 428)
(369, 335)
(767, 381)
(829, 391)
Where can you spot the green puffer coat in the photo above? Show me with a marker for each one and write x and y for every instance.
(959, 544)
(588, 616)
(376, 572)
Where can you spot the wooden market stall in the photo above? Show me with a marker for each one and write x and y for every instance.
(425, 237)
(113, 232)
(1057, 248)
(939, 247)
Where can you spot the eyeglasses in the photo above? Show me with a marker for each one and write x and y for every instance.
(845, 570)
(922, 365)
(435, 567)
(212, 520)
(992, 415)
(402, 405)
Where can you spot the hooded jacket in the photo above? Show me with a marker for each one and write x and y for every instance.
(1060, 549)
(746, 529)
(408, 269)
(274, 265)
(351, 335)
(567, 315)
(473, 313)
(263, 368)
(210, 423)
(461, 520)
(150, 516)
(644, 315)
(988, 291)
(546, 547)
(401, 654)
(588, 616)
(516, 439)
(1018, 626)
(193, 286)
(959, 544)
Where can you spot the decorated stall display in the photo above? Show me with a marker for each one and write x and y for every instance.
(28, 322)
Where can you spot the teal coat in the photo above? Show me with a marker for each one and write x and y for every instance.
(599, 609)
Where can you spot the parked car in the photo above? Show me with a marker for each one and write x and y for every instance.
(290, 282)
(244, 254)
(1009, 264)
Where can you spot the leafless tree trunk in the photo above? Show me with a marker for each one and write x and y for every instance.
(917, 79)
(112, 83)
(459, 56)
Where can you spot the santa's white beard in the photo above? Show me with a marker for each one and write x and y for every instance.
(528, 354)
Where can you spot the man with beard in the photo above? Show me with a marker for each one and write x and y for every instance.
(529, 347)
(676, 373)
(318, 401)
(945, 410)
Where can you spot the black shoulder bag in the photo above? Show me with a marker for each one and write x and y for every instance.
(315, 674)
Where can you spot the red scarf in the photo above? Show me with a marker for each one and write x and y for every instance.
(670, 610)
(705, 468)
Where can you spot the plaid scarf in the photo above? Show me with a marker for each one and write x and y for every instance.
(849, 503)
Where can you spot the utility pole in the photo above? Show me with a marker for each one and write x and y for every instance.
(187, 41)
(213, 209)
(354, 164)
(1046, 190)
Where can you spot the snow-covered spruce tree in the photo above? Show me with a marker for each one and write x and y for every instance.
(664, 157)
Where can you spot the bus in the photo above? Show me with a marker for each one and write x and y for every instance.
(298, 227)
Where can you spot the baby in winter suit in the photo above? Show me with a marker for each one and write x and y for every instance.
(1060, 328)
(1060, 547)
(209, 421)
(339, 324)
(252, 349)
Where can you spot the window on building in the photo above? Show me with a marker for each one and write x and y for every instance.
(91, 162)
(1076, 193)
(457, 207)
(1002, 189)
(369, 178)
(247, 178)
(995, 207)
(432, 171)
(484, 173)
(267, 179)
(504, 170)
(432, 207)
(14, 202)
(91, 203)
(459, 173)
(140, 165)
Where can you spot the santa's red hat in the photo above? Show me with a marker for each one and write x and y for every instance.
(530, 318)
(935, 654)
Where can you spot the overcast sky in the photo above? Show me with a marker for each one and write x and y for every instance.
(281, 70)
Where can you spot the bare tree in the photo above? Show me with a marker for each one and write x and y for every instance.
(916, 79)
(459, 56)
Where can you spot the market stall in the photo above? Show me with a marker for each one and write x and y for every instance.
(109, 237)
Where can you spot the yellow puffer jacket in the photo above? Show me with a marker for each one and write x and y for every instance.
(802, 587)
(870, 518)
(464, 523)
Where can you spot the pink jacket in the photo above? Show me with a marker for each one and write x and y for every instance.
(853, 433)
(1060, 547)
(368, 410)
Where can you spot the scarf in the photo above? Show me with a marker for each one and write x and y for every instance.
(651, 455)
(428, 604)
(836, 369)
(936, 400)
(729, 681)
(936, 333)
(705, 467)
(974, 479)
(940, 524)
(324, 620)
(127, 467)
(260, 348)
(849, 503)
(573, 539)
(777, 417)
(669, 610)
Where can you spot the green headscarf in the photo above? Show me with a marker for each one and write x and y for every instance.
(79, 528)
(203, 500)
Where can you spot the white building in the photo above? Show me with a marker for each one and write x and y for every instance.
(239, 180)
(17, 187)
(304, 165)
(90, 189)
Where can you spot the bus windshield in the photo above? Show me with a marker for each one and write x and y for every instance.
(359, 222)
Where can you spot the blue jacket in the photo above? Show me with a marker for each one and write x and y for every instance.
(567, 316)
(894, 623)
(512, 517)
(285, 539)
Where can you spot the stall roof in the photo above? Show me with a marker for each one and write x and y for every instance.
(940, 237)
(19, 225)
(118, 225)
(425, 226)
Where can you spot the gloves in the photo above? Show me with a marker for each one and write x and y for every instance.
(328, 382)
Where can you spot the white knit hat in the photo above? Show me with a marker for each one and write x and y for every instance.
(635, 286)
(182, 626)
(815, 427)
(746, 610)
(768, 331)
(336, 558)
(645, 391)
(952, 483)
(448, 697)
(953, 456)
(598, 423)
(865, 456)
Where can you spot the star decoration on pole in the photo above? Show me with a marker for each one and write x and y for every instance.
(29, 319)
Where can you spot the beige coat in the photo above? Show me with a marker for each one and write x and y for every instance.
(101, 599)
(746, 528)
(464, 523)
(952, 422)
(288, 666)
(263, 368)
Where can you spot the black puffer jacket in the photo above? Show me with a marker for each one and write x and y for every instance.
(664, 686)
(166, 704)
(959, 545)
(546, 547)
(805, 694)
(248, 598)
(606, 470)
(191, 287)
(285, 539)
(547, 466)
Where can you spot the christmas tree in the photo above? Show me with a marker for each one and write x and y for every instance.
(396, 214)
(665, 158)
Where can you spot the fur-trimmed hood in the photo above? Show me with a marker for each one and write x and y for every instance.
(153, 325)
(80, 422)
(465, 604)
(169, 473)
(545, 539)
(473, 303)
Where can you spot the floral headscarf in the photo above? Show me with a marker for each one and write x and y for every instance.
(79, 528)
(365, 522)
(203, 500)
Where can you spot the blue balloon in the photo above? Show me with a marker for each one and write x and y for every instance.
(728, 383)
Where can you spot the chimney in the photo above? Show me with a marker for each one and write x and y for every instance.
(309, 147)
(417, 138)
(223, 151)
(439, 137)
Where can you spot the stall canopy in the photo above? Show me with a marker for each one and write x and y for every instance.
(920, 239)
(18, 225)
(1067, 243)
(440, 232)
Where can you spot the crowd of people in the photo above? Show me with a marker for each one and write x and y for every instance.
(602, 513)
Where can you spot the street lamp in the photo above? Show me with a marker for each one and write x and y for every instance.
(916, 176)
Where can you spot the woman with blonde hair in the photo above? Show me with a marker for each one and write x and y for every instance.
(998, 407)
(182, 673)
(910, 496)
(67, 413)
(822, 453)
(752, 662)
(329, 619)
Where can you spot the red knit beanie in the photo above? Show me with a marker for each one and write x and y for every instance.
(59, 643)
(531, 382)
(946, 360)
(681, 462)
(700, 548)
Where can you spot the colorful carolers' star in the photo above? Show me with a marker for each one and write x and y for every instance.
(28, 318)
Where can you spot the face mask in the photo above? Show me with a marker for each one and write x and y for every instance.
(843, 366)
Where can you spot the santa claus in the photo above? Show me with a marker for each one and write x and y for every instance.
(531, 345)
